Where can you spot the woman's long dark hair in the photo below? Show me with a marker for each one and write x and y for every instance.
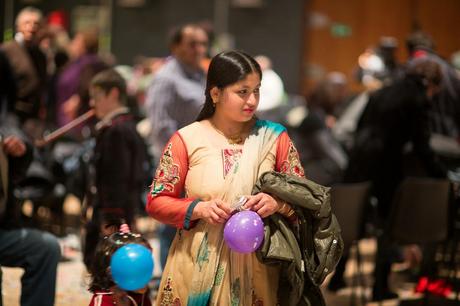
(100, 278)
(225, 69)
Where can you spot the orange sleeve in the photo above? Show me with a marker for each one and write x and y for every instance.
(287, 157)
(164, 201)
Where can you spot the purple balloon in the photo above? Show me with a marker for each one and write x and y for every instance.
(244, 232)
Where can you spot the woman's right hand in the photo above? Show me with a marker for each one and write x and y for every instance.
(214, 211)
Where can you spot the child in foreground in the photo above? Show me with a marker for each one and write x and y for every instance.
(105, 291)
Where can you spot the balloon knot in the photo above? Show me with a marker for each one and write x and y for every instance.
(124, 228)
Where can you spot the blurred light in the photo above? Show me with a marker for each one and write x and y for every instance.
(340, 30)
(247, 3)
(318, 20)
(370, 61)
(131, 3)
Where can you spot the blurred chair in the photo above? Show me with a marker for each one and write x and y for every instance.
(348, 204)
(420, 215)
(420, 211)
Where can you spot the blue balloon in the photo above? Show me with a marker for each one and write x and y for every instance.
(132, 266)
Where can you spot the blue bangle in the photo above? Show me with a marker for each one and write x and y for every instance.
(188, 215)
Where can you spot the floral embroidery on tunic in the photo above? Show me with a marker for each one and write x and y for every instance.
(235, 292)
(177, 302)
(256, 301)
(167, 174)
(292, 164)
(203, 252)
(219, 276)
(167, 298)
(229, 158)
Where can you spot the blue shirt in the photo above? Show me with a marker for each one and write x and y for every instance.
(174, 99)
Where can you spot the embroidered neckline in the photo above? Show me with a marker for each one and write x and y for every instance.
(236, 139)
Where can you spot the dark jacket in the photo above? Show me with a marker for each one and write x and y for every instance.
(307, 251)
(395, 118)
(29, 67)
(7, 86)
(119, 161)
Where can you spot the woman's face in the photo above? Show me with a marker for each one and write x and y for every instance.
(238, 102)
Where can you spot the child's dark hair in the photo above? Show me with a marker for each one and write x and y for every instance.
(108, 79)
(99, 270)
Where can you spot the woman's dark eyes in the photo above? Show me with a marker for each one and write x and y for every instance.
(245, 91)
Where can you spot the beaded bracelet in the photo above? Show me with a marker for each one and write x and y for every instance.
(285, 209)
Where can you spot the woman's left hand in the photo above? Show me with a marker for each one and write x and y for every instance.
(262, 203)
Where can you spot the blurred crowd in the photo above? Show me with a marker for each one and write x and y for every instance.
(405, 122)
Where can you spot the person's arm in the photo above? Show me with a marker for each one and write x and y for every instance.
(287, 157)
(164, 201)
(20, 154)
(287, 161)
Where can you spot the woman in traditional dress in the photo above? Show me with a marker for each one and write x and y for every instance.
(205, 168)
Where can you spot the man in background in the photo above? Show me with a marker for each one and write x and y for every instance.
(176, 93)
(28, 64)
(37, 252)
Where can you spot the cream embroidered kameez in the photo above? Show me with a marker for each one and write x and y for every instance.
(199, 162)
